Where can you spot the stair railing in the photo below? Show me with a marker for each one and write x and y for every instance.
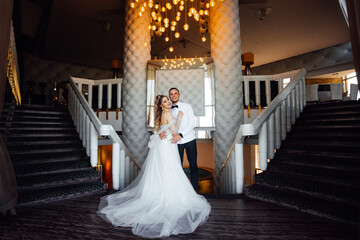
(270, 126)
(124, 166)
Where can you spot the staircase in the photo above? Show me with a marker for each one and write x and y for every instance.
(317, 169)
(47, 154)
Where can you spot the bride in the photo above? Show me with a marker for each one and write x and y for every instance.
(161, 200)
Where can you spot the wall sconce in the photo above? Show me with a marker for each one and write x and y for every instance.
(115, 66)
(247, 60)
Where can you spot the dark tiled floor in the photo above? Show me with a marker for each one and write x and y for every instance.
(230, 219)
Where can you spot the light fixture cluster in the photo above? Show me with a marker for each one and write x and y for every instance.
(166, 16)
(182, 63)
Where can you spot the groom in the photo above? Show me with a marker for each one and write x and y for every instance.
(186, 134)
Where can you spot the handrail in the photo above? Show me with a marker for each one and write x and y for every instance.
(83, 114)
(255, 127)
(13, 67)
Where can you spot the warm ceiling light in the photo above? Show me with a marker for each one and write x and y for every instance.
(177, 35)
(171, 49)
(186, 26)
(166, 39)
(203, 39)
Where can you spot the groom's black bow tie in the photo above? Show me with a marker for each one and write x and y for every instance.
(174, 106)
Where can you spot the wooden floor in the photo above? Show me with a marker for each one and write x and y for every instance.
(229, 219)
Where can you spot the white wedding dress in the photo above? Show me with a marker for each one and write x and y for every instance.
(161, 200)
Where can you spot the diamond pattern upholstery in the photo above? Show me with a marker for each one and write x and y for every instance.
(226, 52)
(190, 83)
(136, 55)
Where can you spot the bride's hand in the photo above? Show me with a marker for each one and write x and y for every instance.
(180, 114)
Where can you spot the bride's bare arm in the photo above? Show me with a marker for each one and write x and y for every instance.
(175, 126)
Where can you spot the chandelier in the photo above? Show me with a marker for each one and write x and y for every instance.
(166, 16)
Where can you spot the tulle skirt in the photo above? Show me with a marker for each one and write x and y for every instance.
(161, 200)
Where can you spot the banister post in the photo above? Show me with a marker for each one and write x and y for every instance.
(239, 168)
(116, 165)
(263, 146)
(93, 145)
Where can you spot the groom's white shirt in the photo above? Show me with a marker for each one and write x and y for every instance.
(187, 123)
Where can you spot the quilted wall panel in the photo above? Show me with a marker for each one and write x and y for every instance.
(323, 61)
(226, 52)
(190, 83)
(48, 71)
(136, 55)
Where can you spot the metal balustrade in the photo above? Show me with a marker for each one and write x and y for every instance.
(270, 126)
(124, 166)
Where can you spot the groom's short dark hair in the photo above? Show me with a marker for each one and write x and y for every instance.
(174, 88)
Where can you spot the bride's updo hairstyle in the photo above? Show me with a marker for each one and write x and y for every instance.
(158, 111)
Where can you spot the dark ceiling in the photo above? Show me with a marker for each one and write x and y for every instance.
(90, 32)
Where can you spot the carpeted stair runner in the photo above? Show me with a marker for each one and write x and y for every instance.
(49, 160)
(317, 168)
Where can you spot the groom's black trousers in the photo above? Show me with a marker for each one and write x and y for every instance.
(191, 153)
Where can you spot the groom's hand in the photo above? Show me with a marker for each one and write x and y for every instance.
(175, 138)
(162, 135)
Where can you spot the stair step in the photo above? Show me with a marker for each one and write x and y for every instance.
(59, 193)
(36, 169)
(321, 145)
(50, 151)
(45, 146)
(46, 142)
(349, 195)
(53, 159)
(317, 159)
(350, 136)
(333, 106)
(339, 176)
(41, 107)
(304, 203)
(14, 136)
(55, 112)
(65, 153)
(56, 179)
(42, 140)
(41, 118)
(329, 121)
(38, 125)
(42, 131)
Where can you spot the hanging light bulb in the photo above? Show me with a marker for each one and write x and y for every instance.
(153, 14)
(177, 18)
(190, 14)
(163, 9)
(156, 6)
(167, 39)
(166, 20)
(153, 27)
(177, 35)
(132, 5)
(186, 26)
(178, 14)
(173, 23)
(151, 5)
(172, 28)
(206, 12)
(162, 29)
(181, 8)
(168, 6)
(159, 18)
(171, 49)
(140, 14)
(203, 39)
(166, 25)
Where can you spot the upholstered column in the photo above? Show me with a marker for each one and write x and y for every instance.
(226, 52)
(136, 55)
